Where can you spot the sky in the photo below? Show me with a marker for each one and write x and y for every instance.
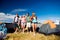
(44, 9)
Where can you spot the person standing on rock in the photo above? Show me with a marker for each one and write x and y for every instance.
(28, 23)
(23, 22)
(34, 21)
(16, 19)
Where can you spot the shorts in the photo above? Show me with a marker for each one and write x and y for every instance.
(23, 24)
(28, 24)
(16, 25)
(34, 22)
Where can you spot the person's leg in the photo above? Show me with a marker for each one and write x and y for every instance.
(30, 27)
(22, 26)
(23, 29)
(26, 26)
(19, 29)
(16, 28)
(33, 26)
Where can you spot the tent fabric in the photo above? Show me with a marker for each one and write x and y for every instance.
(45, 28)
(57, 28)
(52, 25)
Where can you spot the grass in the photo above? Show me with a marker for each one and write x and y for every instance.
(31, 36)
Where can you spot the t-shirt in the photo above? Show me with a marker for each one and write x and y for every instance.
(28, 18)
(23, 19)
(34, 19)
(16, 19)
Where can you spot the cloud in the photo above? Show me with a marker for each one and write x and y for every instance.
(6, 17)
(56, 20)
(9, 18)
(18, 10)
(2, 13)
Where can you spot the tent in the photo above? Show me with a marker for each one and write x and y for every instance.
(57, 30)
(45, 28)
(49, 27)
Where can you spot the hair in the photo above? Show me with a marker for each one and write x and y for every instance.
(34, 13)
(17, 15)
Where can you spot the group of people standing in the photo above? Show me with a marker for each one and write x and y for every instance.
(25, 22)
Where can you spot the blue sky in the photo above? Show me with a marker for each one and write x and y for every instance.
(44, 9)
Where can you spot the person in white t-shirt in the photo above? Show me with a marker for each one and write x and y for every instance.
(16, 19)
